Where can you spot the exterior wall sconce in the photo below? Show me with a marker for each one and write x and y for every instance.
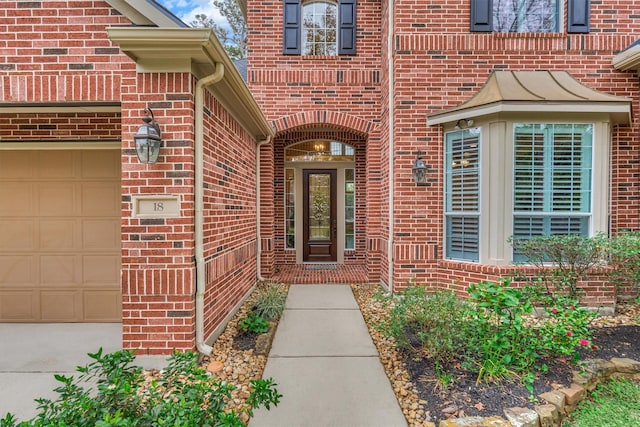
(467, 123)
(148, 139)
(419, 171)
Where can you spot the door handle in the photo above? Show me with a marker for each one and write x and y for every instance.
(335, 229)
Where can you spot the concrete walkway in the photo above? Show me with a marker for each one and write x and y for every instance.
(326, 366)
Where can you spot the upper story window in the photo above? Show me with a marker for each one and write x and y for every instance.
(319, 33)
(319, 27)
(529, 16)
(525, 16)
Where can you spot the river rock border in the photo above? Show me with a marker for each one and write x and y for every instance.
(559, 402)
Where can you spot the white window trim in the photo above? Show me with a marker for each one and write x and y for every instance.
(497, 178)
(480, 215)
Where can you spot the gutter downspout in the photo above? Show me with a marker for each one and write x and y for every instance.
(391, 95)
(201, 284)
(258, 235)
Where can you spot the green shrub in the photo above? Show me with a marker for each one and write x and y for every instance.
(427, 322)
(502, 345)
(624, 258)
(270, 300)
(184, 395)
(254, 323)
(562, 260)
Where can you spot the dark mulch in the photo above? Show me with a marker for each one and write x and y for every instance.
(465, 397)
(245, 340)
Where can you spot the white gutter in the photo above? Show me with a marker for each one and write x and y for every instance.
(258, 235)
(201, 283)
(391, 145)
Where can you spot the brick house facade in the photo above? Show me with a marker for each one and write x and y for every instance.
(413, 67)
(89, 233)
(304, 173)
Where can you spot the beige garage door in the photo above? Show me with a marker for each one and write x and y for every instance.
(60, 236)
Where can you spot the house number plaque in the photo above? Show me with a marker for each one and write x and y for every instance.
(157, 206)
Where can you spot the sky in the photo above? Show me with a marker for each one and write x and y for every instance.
(188, 9)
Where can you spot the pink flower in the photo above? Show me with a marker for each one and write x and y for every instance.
(554, 310)
(584, 342)
(572, 307)
(569, 333)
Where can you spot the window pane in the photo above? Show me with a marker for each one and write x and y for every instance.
(319, 28)
(319, 207)
(290, 209)
(319, 151)
(552, 179)
(462, 240)
(349, 209)
(525, 16)
(462, 201)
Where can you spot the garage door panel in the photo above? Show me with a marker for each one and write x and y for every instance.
(57, 234)
(17, 199)
(100, 270)
(56, 199)
(60, 306)
(101, 234)
(17, 165)
(16, 305)
(102, 306)
(56, 164)
(60, 236)
(100, 200)
(17, 235)
(58, 270)
(17, 270)
(100, 164)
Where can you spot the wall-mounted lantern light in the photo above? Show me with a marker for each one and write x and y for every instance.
(419, 171)
(148, 139)
(462, 122)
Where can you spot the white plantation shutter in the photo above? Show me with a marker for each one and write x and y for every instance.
(552, 179)
(462, 195)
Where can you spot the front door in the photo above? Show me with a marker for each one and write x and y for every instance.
(320, 226)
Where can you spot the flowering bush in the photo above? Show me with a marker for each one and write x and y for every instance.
(565, 329)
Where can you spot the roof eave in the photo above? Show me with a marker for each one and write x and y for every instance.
(628, 59)
(619, 112)
(195, 50)
(147, 12)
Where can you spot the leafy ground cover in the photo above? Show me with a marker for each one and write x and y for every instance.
(430, 390)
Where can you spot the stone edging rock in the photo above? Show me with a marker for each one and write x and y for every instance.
(559, 402)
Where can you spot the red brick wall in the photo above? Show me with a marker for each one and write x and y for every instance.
(23, 127)
(155, 245)
(54, 51)
(438, 63)
(297, 93)
(59, 51)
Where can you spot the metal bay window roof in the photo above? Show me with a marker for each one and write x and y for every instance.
(536, 91)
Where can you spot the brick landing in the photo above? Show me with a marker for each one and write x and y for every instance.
(321, 274)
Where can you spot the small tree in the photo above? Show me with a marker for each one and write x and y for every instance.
(234, 39)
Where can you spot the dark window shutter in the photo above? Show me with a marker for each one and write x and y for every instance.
(347, 27)
(578, 16)
(291, 33)
(481, 15)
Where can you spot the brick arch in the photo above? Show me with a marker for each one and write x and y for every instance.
(322, 119)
